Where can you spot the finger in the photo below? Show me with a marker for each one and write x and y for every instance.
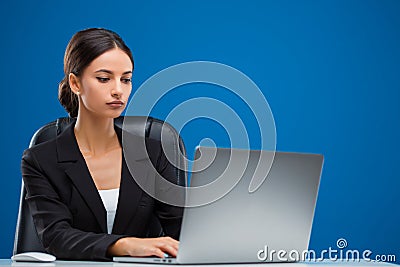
(175, 246)
(169, 249)
(173, 240)
(156, 252)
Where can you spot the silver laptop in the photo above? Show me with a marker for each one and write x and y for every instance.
(247, 226)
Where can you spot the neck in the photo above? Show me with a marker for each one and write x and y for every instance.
(95, 135)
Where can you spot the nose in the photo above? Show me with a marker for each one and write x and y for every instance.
(117, 89)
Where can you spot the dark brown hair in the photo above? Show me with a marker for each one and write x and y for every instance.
(82, 49)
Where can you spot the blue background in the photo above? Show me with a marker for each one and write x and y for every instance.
(329, 70)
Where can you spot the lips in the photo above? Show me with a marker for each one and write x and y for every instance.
(116, 104)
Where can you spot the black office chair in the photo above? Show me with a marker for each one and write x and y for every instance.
(26, 238)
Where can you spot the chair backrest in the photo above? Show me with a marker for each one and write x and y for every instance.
(26, 238)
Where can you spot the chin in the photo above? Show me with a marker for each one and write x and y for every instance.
(116, 116)
(113, 115)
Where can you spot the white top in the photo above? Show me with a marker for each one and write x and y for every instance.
(110, 202)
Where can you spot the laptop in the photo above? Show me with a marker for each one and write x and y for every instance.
(247, 226)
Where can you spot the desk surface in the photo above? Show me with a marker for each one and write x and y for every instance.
(7, 262)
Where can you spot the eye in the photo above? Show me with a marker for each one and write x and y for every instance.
(102, 79)
(126, 80)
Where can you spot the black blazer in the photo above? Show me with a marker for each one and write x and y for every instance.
(67, 209)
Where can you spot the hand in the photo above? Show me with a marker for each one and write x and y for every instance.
(143, 247)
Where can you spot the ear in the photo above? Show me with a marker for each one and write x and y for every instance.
(74, 83)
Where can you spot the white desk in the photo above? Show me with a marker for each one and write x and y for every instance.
(7, 262)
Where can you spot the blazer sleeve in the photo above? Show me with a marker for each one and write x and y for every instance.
(170, 216)
(53, 219)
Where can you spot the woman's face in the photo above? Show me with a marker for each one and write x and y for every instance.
(105, 85)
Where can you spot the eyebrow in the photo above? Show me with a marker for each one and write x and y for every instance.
(110, 72)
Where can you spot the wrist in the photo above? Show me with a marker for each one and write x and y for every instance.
(118, 248)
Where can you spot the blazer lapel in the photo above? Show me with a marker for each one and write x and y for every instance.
(76, 169)
(129, 198)
(137, 169)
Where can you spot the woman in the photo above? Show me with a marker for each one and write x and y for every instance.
(83, 199)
